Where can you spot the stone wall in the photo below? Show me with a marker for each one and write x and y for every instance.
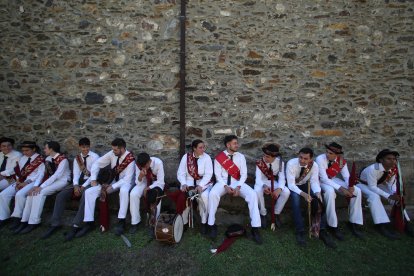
(294, 72)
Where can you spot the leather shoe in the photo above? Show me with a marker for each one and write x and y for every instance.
(71, 234)
(134, 228)
(337, 233)
(278, 222)
(203, 229)
(19, 228)
(15, 223)
(120, 228)
(256, 235)
(327, 240)
(354, 231)
(409, 230)
(263, 221)
(300, 239)
(213, 231)
(50, 231)
(85, 229)
(382, 229)
(29, 228)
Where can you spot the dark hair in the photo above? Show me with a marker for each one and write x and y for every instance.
(30, 144)
(229, 138)
(6, 139)
(307, 151)
(119, 142)
(142, 159)
(55, 146)
(195, 143)
(84, 142)
(105, 176)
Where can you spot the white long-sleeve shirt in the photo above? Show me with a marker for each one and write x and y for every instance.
(323, 162)
(35, 176)
(62, 172)
(92, 157)
(125, 177)
(12, 159)
(221, 174)
(262, 180)
(205, 170)
(292, 172)
(372, 174)
(157, 168)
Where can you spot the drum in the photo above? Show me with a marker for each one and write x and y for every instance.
(169, 228)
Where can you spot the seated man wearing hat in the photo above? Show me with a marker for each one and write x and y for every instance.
(379, 180)
(271, 168)
(331, 164)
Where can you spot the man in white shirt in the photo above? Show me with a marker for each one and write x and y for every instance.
(269, 167)
(29, 172)
(122, 163)
(81, 172)
(149, 178)
(195, 172)
(331, 164)
(230, 169)
(299, 172)
(58, 176)
(379, 180)
(8, 159)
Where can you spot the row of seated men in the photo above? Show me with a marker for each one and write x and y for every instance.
(30, 178)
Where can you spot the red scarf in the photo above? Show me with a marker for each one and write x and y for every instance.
(228, 165)
(81, 165)
(31, 167)
(335, 167)
(150, 176)
(192, 166)
(49, 170)
(264, 168)
(127, 160)
(305, 173)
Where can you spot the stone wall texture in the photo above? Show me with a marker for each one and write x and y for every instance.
(298, 73)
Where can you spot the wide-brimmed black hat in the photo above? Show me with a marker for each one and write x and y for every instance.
(385, 152)
(271, 149)
(7, 139)
(335, 147)
(29, 144)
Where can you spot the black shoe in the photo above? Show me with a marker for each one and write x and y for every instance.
(19, 228)
(203, 229)
(50, 231)
(263, 221)
(382, 229)
(354, 230)
(71, 234)
(85, 229)
(15, 223)
(337, 233)
(278, 222)
(300, 239)
(327, 240)
(120, 228)
(4, 222)
(151, 232)
(256, 235)
(213, 231)
(134, 228)
(29, 228)
(408, 229)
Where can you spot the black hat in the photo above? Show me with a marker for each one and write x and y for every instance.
(6, 139)
(28, 144)
(335, 147)
(385, 152)
(271, 149)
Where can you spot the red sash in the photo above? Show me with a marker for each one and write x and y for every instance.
(336, 167)
(127, 160)
(305, 173)
(192, 166)
(228, 165)
(264, 168)
(49, 170)
(81, 165)
(390, 174)
(31, 167)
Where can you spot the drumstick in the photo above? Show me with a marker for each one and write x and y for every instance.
(309, 213)
(126, 241)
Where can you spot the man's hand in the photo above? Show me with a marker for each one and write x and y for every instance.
(306, 196)
(229, 190)
(236, 192)
(267, 191)
(351, 189)
(94, 183)
(20, 185)
(35, 191)
(394, 197)
(199, 189)
(109, 189)
(141, 175)
(77, 190)
(319, 195)
(184, 188)
(345, 192)
(276, 193)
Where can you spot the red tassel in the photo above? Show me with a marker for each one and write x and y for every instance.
(398, 218)
(104, 215)
(225, 245)
(179, 198)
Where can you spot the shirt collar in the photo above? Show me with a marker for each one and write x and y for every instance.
(56, 155)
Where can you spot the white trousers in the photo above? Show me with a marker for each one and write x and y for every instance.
(93, 193)
(4, 184)
(202, 207)
(20, 199)
(34, 204)
(280, 202)
(135, 200)
(246, 192)
(355, 207)
(378, 213)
